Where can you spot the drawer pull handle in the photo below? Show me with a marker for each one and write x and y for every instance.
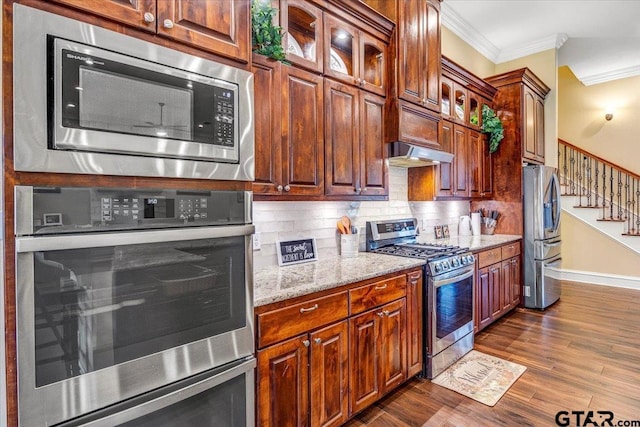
(379, 288)
(306, 310)
(318, 340)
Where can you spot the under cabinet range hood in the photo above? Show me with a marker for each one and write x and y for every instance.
(406, 155)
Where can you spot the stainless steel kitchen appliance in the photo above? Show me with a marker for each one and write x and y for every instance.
(93, 101)
(542, 240)
(448, 298)
(134, 302)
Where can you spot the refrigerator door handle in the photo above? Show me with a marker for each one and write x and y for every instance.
(551, 244)
(556, 183)
(552, 263)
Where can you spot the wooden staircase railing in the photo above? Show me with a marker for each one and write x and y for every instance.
(599, 184)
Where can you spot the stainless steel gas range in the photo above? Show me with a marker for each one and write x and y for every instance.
(448, 296)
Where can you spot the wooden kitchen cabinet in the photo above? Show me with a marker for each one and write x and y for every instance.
(378, 346)
(326, 356)
(289, 147)
(354, 129)
(497, 283)
(415, 320)
(302, 26)
(470, 175)
(520, 105)
(222, 27)
(308, 379)
(414, 110)
(419, 52)
(354, 57)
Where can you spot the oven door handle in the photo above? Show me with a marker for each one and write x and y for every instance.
(98, 240)
(452, 278)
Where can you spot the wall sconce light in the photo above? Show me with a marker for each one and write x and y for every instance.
(608, 116)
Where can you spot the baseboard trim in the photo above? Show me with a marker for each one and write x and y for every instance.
(615, 280)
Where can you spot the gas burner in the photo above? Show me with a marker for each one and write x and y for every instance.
(440, 257)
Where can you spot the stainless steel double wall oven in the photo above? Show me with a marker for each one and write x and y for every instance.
(140, 299)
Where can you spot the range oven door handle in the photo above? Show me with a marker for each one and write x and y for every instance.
(452, 278)
(98, 240)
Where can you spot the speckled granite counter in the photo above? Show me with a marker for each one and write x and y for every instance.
(474, 243)
(272, 284)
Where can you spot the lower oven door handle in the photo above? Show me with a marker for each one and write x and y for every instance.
(158, 403)
(96, 240)
(452, 278)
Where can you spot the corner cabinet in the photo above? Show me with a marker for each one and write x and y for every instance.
(470, 174)
(222, 27)
(520, 105)
(324, 357)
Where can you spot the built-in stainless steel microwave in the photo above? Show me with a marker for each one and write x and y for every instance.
(90, 100)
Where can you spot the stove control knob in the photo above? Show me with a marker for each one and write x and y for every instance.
(455, 262)
(445, 264)
(471, 259)
(464, 260)
(437, 267)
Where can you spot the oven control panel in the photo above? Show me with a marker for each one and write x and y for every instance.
(80, 209)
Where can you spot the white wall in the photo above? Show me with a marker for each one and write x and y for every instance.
(291, 220)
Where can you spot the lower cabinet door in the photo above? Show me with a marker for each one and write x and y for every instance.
(283, 384)
(414, 323)
(364, 369)
(329, 371)
(393, 344)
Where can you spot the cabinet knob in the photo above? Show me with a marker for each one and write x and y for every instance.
(385, 312)
(279, 188)
(306, 343)
(149, 18)
(168, 23)
(363, 82)
(380, 314)
(359, 82)
(317, 340)
(287, 187)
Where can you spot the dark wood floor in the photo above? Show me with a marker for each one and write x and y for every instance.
(581, 354)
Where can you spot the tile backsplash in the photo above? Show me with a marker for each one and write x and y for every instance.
(291, 220)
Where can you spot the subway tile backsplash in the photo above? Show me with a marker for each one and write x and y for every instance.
(290, 220)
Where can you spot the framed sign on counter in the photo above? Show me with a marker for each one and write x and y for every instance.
(296, 251)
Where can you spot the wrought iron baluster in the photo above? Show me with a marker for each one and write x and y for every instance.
(572, 162)
(619, 195)
(612, 193)
(596, 193)
(588, 179)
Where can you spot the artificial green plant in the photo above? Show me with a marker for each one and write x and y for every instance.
(492, 126)
(266, 37)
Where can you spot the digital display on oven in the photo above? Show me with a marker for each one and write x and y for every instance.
(159, 207)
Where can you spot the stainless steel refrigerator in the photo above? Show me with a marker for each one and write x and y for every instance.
(542, 241)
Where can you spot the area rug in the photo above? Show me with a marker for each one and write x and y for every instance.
(480, 376)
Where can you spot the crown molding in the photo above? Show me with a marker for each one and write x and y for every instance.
(460, 27)
(608, 76)
(554, 41)
(453, 21)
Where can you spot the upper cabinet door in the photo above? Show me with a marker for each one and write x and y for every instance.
(302, 25)
(410, 73)
(222, 26)
(341, 50)
(446, 96)
(373, 64)
(140, 14)
(419, 53)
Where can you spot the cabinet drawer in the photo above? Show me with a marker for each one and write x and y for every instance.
(489, 257)
(510, 250)
(281, 324)
(378, 293)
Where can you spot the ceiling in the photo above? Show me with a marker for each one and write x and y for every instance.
(598, 40)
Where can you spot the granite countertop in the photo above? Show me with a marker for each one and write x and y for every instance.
(474, 243)
(274, 283)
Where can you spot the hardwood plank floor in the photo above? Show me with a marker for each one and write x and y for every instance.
(581, 354)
